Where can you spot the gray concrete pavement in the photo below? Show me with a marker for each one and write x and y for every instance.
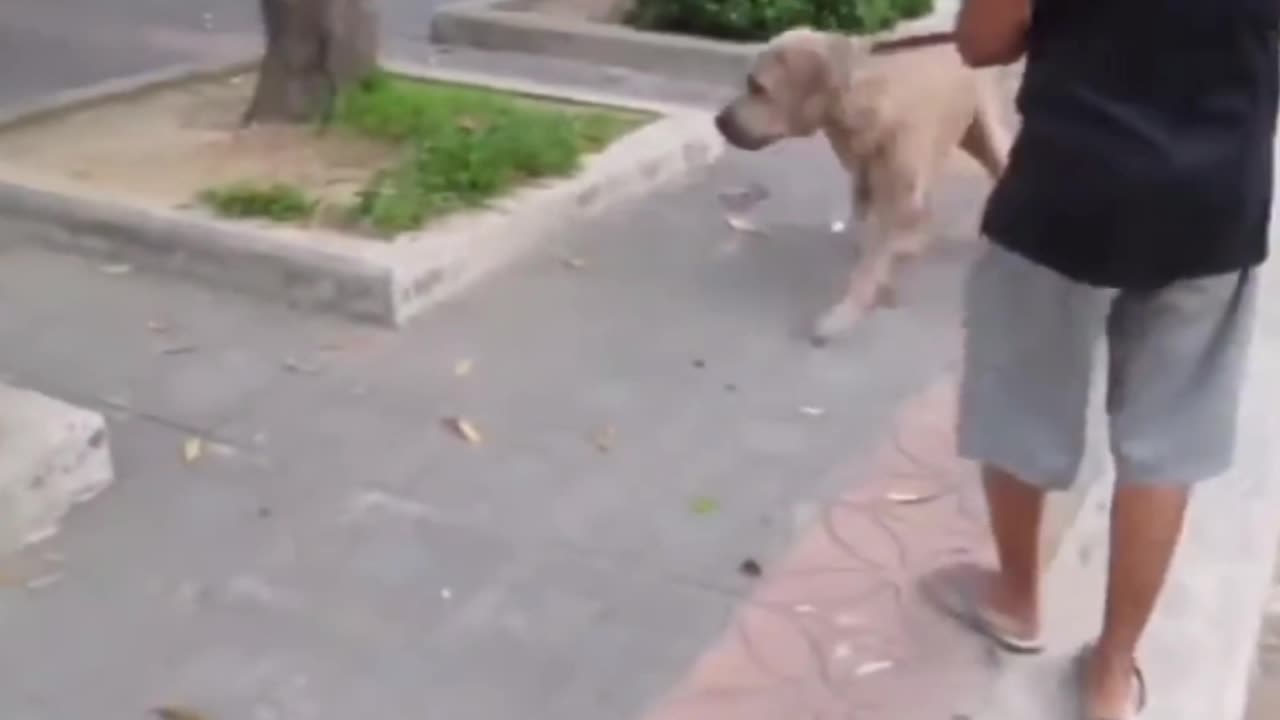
(335, 552)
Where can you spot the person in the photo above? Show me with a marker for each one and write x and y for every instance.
(1132, 214)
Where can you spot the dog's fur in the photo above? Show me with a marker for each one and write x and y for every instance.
(893, 118)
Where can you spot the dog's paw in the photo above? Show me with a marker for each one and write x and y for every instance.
(835, 323)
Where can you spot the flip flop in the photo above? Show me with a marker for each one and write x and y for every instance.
(1139, 701)
(958, 594)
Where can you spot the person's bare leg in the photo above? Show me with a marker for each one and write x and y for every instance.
(1146, 522)
(1016, 509)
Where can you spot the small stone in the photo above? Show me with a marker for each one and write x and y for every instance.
(750, 568)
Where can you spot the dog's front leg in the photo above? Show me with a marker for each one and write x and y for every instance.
(867, 283)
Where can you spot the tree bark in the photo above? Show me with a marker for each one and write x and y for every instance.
(314, 48)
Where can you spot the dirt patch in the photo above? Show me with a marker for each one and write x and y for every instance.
(164, 147)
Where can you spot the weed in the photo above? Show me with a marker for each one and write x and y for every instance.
(278, 202)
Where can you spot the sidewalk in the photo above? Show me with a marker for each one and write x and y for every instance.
(655, 428)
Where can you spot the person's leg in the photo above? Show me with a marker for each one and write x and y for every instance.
(1177, 358)
(1030, 348)
(1015, 508)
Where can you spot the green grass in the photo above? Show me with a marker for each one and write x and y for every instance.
(277, 201)
(461, 147)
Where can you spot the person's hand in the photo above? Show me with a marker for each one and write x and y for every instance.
(992, 32)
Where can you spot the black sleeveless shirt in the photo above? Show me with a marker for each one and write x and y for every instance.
(1145, 154)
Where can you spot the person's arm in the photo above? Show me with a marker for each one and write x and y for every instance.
(992, 32)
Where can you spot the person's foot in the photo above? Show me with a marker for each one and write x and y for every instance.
(1015, 607)
(1112, 686)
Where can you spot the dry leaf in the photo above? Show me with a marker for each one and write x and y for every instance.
(180, 349)
(704, 505)
(873, 667)
(117, 269)
(910, 498)
(470, 123)
(174, 712)
(299, 367)
(812, 411)
(462, 368)
(192, 449)
(742, 224)
(465, 430)
(604, 438)
(743, 198)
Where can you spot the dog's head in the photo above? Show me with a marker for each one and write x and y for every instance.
(790, 89)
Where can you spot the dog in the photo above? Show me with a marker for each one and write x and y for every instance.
(893, 113)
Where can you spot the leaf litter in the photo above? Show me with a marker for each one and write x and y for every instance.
(192, 449)
(465, 430)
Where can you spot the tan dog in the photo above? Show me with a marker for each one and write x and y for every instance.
(893, 115)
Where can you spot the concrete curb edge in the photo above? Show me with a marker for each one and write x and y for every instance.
(383, 282)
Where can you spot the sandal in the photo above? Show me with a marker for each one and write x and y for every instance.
(1138, 704)
(958, 593)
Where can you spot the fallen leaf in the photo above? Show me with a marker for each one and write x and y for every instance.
(743, 198)
(43, 581)
(298, 367)
(750, 568)
(116, 269)
(174, 712)
(159, 327)
(812, 411)
(604, 438)
(873, 667)
(192, 449)
(462, 368)
(910, 498)
(703, 505)
(179, 349)
(470, 123)
(742, 224)
(465, 430)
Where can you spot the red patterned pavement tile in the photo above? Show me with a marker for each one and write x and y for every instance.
(837, 631)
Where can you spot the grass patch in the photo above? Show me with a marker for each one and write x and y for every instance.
(277, 201)
(461, 147)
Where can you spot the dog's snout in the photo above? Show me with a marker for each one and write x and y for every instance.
(723, 123)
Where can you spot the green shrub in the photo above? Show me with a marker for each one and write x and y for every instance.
(755, 20)
(278, 202)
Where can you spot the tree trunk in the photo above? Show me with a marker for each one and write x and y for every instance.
(314, 48)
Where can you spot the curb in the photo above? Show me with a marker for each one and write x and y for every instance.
(382, 282)
(55, 456)
(509, 26)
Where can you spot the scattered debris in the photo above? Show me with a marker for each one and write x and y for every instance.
(873, 667)
(910, 498)
(574, 263)
(699, 363)
(179, 349)
(265, 512)
(841, 651)
(750, 568)
(805, 609)
(742, 224)
(730, 387)
(847, 619)
(298, 367)
(175, 712)
(605, 438)
(463, 367)
(116, 269)
(158, 327)
(703, 505)
(838, 226)
(192, 449)
(43, 581)
(465, 430)
(446, 594)
(812, 411)
(744, 197)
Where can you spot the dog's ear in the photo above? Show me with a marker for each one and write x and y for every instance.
(863, 113)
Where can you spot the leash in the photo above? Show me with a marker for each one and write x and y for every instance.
(884, 47)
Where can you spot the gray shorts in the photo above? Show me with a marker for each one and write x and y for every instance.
(1175, 360)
